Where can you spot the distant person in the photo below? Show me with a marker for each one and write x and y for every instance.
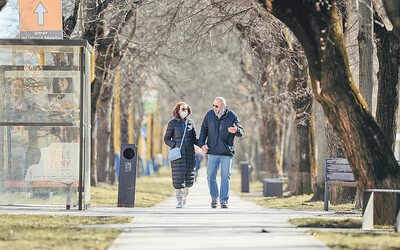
(183, 169)
(217, 138)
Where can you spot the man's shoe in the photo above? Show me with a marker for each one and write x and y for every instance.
(224, 204)
(214, 203)
(179, 205)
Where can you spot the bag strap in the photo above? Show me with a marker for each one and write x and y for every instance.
(184, 133)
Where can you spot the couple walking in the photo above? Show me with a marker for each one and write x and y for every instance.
(218, 130)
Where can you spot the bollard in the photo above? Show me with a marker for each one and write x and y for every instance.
(245, 173)
(127, 175)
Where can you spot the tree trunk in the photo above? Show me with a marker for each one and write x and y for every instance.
(93, 152)
(366, 46)
(320, 141)
(112, 175)
(271, 130)
(299, 88)
(104, 108)
(371, 159)
(125, 99)
(388, 50)
(392, 8)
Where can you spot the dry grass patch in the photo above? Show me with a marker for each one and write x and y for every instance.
(358, 240)
(56, 232)
(298, 202)
(326, 223)
(348, 240)
(150, 190)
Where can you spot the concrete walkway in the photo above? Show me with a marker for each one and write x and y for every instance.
(243, 225)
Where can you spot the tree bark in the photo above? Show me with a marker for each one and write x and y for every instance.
(299, 88)
(320, 142)
(366, 46)
(104, 108)
(271, 128)
(318, 29)
(111, 157)
(388, 51)
(392, 8)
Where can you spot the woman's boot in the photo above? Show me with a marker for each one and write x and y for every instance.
(185, 195)
(179, 198)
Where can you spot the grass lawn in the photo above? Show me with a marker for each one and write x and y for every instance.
(56, 232)
(326, 223)
(298, 202)
(333, 239)
(62, 232)
(358, 240)
(150, 190)
(348, 240)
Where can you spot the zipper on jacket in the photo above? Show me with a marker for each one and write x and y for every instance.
(218, 131)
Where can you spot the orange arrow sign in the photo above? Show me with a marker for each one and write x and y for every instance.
(40, 15)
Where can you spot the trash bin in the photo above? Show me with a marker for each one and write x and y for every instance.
(127, 175)
(245, 173)
(272, 187)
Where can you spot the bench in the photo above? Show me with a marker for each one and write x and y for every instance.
(368, 208)
(337, 173)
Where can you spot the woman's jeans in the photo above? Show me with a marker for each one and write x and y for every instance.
(214, 161)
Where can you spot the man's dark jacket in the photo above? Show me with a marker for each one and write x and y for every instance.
(219, 140)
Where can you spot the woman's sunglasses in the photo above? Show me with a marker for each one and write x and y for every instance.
(183, 109)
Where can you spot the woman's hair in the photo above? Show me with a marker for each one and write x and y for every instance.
(175, 111)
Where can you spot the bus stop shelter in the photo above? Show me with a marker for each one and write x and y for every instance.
(45, 122)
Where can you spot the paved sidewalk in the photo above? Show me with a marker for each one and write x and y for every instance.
(243, 225)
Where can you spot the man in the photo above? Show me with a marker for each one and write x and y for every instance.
(217, 139)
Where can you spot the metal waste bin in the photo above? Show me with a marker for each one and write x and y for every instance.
(127, 175)
(245, 173)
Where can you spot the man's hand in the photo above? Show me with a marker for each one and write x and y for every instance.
(233, 129)
(205, 148)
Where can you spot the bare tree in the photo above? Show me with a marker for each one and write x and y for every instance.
(318, 29)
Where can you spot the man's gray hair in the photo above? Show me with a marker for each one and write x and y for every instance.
(222, 100)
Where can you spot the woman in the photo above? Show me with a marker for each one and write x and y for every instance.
(183, 169)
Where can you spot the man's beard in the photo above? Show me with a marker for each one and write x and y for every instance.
(219, 113)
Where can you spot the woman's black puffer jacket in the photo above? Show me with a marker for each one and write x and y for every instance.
(183, 169)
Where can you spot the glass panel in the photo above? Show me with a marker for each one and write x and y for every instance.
(39, 164)
(39, 124)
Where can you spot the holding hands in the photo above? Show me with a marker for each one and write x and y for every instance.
(205, 148)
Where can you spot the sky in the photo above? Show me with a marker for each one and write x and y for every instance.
(9, 20)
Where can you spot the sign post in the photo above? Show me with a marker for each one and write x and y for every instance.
(40, 19)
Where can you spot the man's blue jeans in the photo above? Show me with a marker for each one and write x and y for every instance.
(214, 161)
